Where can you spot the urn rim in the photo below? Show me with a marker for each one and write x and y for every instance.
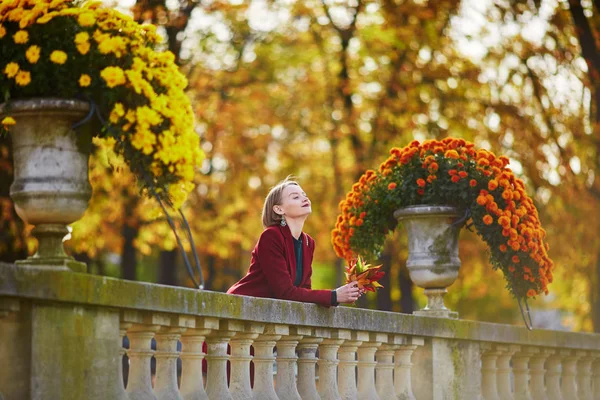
(426, 210)
(37, 105)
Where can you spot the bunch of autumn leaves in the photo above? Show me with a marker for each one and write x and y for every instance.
(54, 48)
(450, 172)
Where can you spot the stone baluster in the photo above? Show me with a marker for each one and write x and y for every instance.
(569, 374)
(521, 371)
(584, 376)
(192, 385)
(403, 367)
(216, 343)
(139, 383)
(307, 361)
(596, 376)
(504, 370)
(121, 393)
(328, 362)
(166, 356)
(285, 380)
(489, 378)
(239, 384)
(384, 371)
(366, 366)
(263, 361)
(553, 372)
(536, 367)
(346, 376)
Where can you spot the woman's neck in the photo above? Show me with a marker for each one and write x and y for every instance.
(296, 226)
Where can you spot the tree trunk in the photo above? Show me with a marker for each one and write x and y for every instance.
(407, 302)
(167, 268)
(209, 277)
(128, 254)
(384, 298)
(595, 296)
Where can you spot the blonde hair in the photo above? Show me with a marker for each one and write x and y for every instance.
(269, 216)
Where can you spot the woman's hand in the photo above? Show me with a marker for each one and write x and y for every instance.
(348, 293)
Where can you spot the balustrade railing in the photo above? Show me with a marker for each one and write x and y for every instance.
(266, 349)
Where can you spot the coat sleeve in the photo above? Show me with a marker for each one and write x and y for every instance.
(271, 257)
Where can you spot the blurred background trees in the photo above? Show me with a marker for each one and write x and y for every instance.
(322, 90)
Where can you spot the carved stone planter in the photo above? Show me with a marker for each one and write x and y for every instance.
(51, 188)
(433, 261)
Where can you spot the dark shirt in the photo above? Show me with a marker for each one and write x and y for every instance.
(298, 254)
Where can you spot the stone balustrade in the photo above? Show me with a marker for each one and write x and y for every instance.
(61, 336)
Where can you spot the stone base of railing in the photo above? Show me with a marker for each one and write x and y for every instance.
(61, 337)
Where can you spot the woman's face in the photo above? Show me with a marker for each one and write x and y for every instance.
(294, 203)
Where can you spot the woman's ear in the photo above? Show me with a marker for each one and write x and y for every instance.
(277, 210)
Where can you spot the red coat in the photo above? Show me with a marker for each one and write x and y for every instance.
(272, 269)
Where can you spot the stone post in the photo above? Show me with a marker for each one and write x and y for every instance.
(285, 380)
(521, 370)
(122, 394)
(139, 383)
(166, 363)
(263, 361)
(584, 376)
(569, 375)
(553, 371)
(328, 362)
(384, 371)
(366, 366)
(307, 361)
(403, 367)
(217, 341)
(536, 366)
(239, 384)
(489, 379)
(347, 365)
(504, 370)
(192, 383)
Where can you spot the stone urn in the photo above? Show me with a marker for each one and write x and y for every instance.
(433, 261)
(51, 188)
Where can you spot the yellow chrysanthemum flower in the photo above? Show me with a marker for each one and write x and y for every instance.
(33, 54)
(144, 140)
(2, 31)
(115, 45)
(83, 48)
(82, 37)
(117, 112)
(113, 76)
(8, 121)
(46, 18)
(58, 57)
(23, 78)
(21, 37)
(86, 19)
(85, 80)
(11, 69)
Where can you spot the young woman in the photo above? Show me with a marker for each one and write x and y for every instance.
(281, 264)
